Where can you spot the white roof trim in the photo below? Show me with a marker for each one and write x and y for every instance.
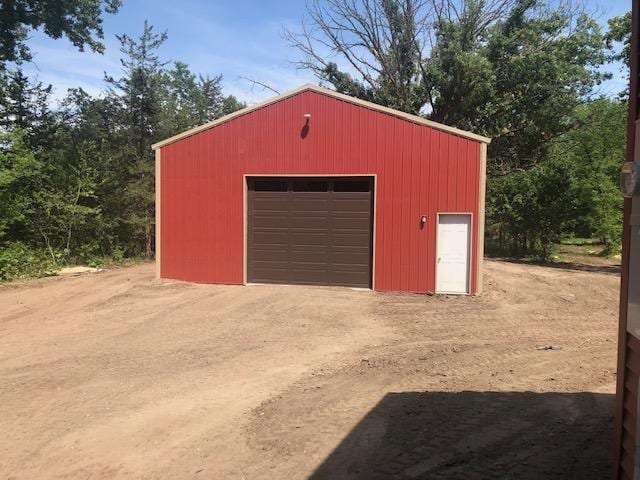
(331, 93)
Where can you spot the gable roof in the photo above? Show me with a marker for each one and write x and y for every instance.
(331, 93)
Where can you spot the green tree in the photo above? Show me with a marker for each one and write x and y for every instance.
(545, 65)
(78, 20)
(595, 150)
(190, 100)
(574, 192)
(211, 102)
(530, 210)
(183, 100)
(231, 104)
(42, 203)
(620, 32)
(25, 105)
(511, 70)
(139, 93)
(19, 171)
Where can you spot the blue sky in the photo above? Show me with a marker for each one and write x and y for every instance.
(236, 38)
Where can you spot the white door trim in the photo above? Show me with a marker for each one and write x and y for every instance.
(469, 252)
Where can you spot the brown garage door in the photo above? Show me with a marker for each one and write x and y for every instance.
(314, 231)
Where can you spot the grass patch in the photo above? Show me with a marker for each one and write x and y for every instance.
(580, 241)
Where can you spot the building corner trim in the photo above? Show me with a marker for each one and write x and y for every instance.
(158, 173)
(481, 218)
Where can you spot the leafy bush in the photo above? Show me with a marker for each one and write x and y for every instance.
(19, 261)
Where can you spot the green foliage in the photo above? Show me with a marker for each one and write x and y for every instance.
(529, 210)
(519, 82)
(20, 173)
(20, 261)
(513, 70)
(574, 192)
(595, 150)
(620, 32)
(78, 20)
(193, 100)
(544, 64)
(138, 98)
(23, 104)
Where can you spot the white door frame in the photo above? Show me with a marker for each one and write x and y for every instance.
(469, 252)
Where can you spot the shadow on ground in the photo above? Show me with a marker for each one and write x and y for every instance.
(478, 435)
(578, 267)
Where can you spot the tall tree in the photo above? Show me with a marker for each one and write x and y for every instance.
(380, 43)
(138, 93)
(181, 97)
(511, 69)
(545, 63)
(25, 105)
(191, 100)
(138, 89)
(18, 170)
(594, 152)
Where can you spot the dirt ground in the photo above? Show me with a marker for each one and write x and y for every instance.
(116, 375)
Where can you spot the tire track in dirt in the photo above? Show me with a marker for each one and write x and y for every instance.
(116, 375)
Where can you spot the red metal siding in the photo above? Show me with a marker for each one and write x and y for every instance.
(419, 170)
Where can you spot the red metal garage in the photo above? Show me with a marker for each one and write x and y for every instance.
(316, 187)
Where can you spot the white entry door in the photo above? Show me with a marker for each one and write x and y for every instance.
(452, 268)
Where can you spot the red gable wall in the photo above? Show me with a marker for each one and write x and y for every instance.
(419, 170)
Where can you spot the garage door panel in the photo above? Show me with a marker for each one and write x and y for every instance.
(274, 204)
(308, 196)
(304, 275)
(351, 223)
(309, 266)
(311, 234)
(270, 275)
(308, 238)
(355, 205)
(263, 266)
(351, 213)
(318, 222)
(350, 269)
(270, 254)
(307, 205)
(309, 255)
(350, 279)
(358, 258)
(351, 195)
(267, 221)
(348, 239)
(270, 237)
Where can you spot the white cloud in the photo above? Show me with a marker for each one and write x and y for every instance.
(58, 63)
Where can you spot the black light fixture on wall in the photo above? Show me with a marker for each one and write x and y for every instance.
(305, 128)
